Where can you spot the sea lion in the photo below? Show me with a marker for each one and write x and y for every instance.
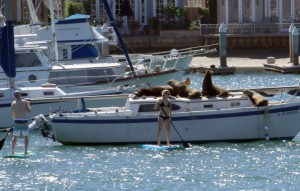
(183, 90)
(154, 91)
(210, 90)
(256, 98)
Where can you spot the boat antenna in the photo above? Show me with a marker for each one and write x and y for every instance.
(112, 22)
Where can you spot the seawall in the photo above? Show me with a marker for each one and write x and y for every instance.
(185, 39)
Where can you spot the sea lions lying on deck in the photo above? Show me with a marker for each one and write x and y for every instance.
(154, 91)
(210, 90)
(256, 98)
(183, 90)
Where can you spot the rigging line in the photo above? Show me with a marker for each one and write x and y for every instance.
(268, 119)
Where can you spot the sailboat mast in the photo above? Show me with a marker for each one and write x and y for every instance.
(53, 32)
(32, 12)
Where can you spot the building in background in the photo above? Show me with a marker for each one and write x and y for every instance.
(143, 10)
(280, 12)
(22, 13)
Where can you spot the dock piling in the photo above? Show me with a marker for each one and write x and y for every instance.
(223, 45)
(295, 46)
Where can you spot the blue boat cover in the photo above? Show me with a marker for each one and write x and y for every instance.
(7, 53)
(84, 51)
(77, 18)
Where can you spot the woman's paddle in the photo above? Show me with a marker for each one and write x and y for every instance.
(184, 144)
(3, 140)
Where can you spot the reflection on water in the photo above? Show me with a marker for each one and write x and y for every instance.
(262, 165)
(248, 80)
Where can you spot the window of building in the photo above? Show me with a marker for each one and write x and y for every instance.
(233, 13)
(274, 10)
(286, 11)
(297, 12)
(247, 11)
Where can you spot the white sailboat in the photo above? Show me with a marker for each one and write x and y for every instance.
(201, 120)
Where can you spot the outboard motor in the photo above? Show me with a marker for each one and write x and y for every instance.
(40, 122)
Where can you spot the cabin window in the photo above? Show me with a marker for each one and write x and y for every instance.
(27, 60)
(208, 106)
(1, 95)
(236, 103)
(65, 53)
(48, 93)
(24, 94)
(90, 75)
(150, 107)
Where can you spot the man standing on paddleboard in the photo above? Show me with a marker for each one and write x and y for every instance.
(19, 110)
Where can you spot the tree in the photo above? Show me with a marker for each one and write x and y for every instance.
(72, 8)
(212, 5)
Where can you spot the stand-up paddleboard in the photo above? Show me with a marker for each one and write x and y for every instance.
(20, 155)
(156, 147)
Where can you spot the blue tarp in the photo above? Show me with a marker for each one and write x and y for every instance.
(77, 18)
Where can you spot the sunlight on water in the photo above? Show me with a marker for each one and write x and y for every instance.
(248, 80)
(262, 165)
(255, 165)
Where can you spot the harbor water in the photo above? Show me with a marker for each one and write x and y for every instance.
(261, 165)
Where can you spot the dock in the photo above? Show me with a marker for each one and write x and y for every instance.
(241, 61)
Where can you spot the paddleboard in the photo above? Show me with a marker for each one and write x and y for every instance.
(156, 147)
(20, 155)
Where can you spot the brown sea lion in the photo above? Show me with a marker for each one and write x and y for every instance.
(183, 90)
(154, 91)
(256, 98)
(210, 90)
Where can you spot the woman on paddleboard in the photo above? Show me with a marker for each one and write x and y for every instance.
(19, 110)
(164, 117)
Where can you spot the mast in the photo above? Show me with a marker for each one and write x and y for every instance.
(54, 40)
(32, 11)
(113, 24)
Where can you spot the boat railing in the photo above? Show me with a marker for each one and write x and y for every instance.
(170, 59)
(198, 50)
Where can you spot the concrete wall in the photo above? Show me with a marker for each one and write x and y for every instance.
(166, 41)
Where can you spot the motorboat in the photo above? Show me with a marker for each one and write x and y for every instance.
(201, 120)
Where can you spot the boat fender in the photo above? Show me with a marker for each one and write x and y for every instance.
(267, 136)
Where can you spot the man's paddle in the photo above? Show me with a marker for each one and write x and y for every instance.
(184, 144)
(3, 140)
